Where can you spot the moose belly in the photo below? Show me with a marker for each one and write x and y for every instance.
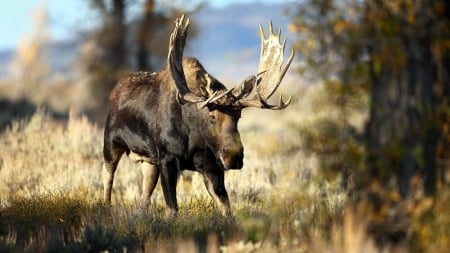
(137, 158)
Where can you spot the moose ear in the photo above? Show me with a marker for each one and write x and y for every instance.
(245, 87)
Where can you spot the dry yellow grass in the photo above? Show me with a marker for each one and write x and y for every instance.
(50, 177)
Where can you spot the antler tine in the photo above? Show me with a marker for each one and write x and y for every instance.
(175, 60)
(270, 27)
(261, 33)
(282, 104)
(288, 63)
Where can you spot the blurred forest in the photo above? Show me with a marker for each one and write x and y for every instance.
(396, 52)
(396, 55)
(116, 45)
(388, 60)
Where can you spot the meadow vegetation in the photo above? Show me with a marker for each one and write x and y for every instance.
(301, 188)
(281, 200)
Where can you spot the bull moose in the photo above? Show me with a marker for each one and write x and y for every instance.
(183, 118)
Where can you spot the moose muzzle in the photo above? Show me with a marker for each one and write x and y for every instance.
(232, 158)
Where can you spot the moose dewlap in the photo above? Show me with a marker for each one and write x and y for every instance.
(183, 118)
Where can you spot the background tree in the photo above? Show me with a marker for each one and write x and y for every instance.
(123, 42)
(25, 88)
(104, 54)
(408, 50)
(143, 35)
(29, 68)
(397, 52)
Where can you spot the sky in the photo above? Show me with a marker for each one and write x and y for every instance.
(63, 16)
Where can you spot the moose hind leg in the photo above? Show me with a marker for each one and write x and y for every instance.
(215, 185)
(150, 175)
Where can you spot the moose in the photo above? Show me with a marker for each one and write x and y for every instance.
(182, 118)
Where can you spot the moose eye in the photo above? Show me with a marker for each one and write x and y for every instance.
(212, 118)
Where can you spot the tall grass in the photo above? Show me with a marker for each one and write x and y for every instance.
(51, 196)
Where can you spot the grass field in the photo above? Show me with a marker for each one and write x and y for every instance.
(50, 195)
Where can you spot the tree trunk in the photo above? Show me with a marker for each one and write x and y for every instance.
(110, 58)
(117, 50)
(402, 133)
(143, 36)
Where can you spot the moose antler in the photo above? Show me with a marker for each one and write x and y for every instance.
(175, 60)
(256, 90)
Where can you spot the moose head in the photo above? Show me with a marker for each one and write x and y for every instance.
(224, 105)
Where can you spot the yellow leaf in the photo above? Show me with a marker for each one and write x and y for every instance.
(340, 26)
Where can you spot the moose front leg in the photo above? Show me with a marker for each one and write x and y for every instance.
(108, 178)
(111, 158)
(150, 175)
(169, 176)
(214, 182)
